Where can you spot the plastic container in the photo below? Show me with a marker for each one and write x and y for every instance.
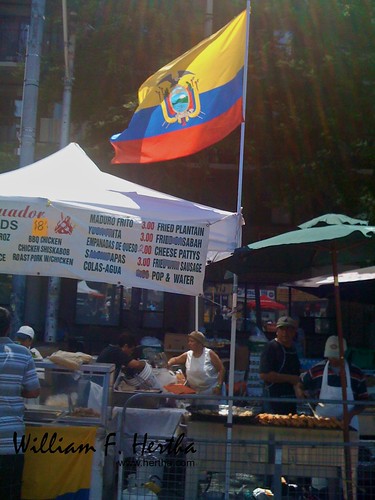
(164, 376)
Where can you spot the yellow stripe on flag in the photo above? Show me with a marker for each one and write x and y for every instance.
(215, 61)
(49, 473)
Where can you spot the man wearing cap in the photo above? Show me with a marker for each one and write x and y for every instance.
(323, 381)
(280, 368)
(18, 380)
(25, 336)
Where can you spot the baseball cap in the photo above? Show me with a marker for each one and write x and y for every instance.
(331, 349)
(26, 330)
(198, 336)
(285, 321)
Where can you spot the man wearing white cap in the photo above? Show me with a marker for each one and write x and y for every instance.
(25, 336)
(323, 382)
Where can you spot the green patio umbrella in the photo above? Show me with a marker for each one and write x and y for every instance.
(331, 241)
(307, 250)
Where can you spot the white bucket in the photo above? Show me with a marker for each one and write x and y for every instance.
(144, 380)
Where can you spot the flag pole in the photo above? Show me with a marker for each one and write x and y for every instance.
(235, 277)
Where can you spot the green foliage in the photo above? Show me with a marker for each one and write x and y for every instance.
(309, 103)
(8, 159)
(310, 100)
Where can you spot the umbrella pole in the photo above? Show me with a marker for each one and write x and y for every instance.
(258, 311)
(289, 300)
(348, 485)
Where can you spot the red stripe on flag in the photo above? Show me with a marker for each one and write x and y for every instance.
(179, 143)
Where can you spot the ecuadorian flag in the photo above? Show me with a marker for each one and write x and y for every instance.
(61, 470)
(189, 104)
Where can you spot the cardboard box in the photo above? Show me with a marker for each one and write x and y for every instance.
(175, 342)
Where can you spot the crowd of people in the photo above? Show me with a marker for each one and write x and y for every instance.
(285, 385)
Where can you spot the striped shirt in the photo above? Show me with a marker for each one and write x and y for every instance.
(312, 380)
(17, 373)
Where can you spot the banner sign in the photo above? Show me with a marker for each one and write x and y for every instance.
(107, 246)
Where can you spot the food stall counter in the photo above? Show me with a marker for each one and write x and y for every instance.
(135, 432)
(66, 428)
(72, 397)
(266, 450)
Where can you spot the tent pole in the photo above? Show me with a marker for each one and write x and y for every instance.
(196, 327)
(228, 456)
(348, 486)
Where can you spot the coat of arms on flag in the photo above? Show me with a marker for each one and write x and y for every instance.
(180, 97)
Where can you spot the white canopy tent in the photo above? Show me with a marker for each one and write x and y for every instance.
(62, 216)
(84, 289)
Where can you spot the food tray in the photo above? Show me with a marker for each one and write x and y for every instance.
(219, 413)
(40, 415)
(298, 421)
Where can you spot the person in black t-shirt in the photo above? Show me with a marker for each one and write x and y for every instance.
(121, 355)
(280, 367)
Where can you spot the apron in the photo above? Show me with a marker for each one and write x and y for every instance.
(330, 392)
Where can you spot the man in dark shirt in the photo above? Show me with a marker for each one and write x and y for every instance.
(280, 367)
(121, 355)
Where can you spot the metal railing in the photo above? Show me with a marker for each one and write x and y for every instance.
(189, 459)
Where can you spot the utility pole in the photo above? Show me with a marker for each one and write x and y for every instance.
(27, 134)
(54, 283)
(209, 14)
(208, 18)
(69, 50)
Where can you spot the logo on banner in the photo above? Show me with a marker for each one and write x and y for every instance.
(40, 227)
(180, 96)
(64, 225)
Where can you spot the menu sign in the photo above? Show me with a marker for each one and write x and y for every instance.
(110, 247)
